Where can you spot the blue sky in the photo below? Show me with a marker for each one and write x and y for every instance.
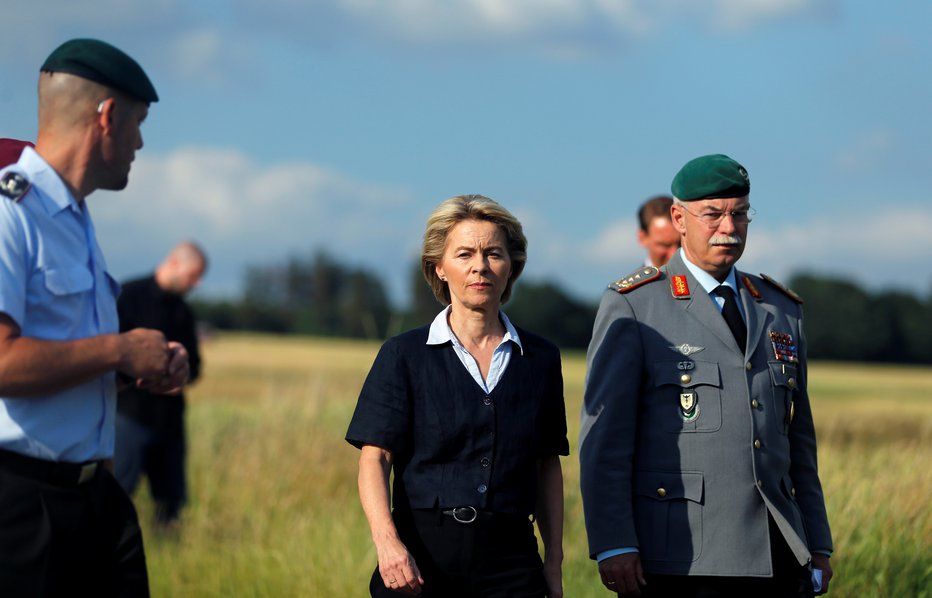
(288, 126)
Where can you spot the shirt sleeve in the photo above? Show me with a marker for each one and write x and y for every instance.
(383, 411)
(13, 263)
(554, 440)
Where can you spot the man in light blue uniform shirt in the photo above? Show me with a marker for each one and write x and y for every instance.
(66, 528)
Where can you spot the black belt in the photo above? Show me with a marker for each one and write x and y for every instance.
(59, 473)
(468, 515)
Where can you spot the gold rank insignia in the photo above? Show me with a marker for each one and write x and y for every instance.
(635, 279)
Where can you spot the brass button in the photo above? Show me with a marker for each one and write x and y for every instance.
(747, 366)
(686, 378)
(755, 404)
(661, 492)
(793, 491)
(757, 444)
(791, 382)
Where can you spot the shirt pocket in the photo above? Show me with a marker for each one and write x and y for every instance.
(687, 396)
(785, 382)
(68, 281)
(669, 514)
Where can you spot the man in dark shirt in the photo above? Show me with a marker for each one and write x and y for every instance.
(150, 435)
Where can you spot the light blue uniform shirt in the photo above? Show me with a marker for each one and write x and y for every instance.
(54, 284)
(440, 332)
(709, 283)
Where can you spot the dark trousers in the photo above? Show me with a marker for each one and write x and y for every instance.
(790, 579)
(59, 537)
(142, 449)
(488, 559)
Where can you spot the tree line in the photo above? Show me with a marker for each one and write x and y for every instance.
(320, 296)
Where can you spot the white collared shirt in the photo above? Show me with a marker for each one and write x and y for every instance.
(440, 332)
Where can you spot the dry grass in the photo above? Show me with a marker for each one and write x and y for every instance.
(274, 511)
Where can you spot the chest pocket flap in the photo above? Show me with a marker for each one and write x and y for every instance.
(687, 373)
(670, 485)
(783, 374)
(68, 281)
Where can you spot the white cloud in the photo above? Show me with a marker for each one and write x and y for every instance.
(875, 248)
(246, 213)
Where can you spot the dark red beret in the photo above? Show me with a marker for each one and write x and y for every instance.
(10, 149)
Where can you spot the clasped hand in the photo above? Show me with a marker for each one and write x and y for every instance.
(156, 365)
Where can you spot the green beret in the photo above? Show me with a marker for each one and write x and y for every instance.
(708, 177)
(102, 63)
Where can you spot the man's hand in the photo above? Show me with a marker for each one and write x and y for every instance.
(820, 561)
(623, 574)
(174, 377)
(143, 354)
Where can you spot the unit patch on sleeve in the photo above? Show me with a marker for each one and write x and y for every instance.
(13, 186)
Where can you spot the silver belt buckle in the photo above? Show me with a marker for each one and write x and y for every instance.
(465, 514)
(87, 472)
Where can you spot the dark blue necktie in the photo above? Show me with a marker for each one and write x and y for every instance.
(732, 316)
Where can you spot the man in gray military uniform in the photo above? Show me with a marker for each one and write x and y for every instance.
(697, 449)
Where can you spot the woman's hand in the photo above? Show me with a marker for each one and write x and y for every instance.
(397, 567)
(553, 574)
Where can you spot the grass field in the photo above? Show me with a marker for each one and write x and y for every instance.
(274, 510)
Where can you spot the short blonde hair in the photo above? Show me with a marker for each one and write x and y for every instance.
(469, 207)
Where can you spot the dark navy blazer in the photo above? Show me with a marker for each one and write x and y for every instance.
(453, 444)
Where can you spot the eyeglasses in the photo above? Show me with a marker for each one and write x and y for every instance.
(712, 217)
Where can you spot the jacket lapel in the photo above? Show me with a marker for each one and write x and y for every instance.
(755, 314)
(699, 305)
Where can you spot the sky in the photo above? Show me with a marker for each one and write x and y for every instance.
(288, 127)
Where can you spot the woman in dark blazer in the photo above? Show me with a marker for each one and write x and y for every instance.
(469, 414)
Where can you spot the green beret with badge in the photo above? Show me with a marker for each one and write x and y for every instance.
(711, 177)
(102, 63)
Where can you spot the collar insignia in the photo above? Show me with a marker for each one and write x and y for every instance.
(679, 287)
(751, 288)
(686, 349)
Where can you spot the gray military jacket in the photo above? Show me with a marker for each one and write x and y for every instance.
(686, 444)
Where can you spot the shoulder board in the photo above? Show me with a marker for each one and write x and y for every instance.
(635, 279)
(13, 185)
(789, 293)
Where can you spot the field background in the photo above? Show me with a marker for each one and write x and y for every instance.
(274, 511)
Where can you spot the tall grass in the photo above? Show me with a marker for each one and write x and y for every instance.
(274, 511)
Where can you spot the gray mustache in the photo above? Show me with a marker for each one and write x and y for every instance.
(726, 240)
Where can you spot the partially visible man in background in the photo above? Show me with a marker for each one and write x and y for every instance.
(66, 527)
(150, 430)
(656, 233)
